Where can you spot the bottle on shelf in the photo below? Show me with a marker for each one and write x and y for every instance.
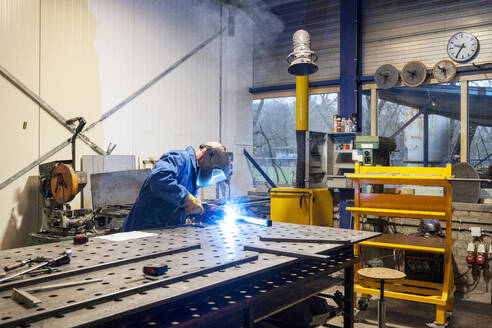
(354, 122)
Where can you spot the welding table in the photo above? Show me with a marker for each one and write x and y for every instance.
(211, 282)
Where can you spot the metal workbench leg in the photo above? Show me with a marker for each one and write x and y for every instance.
(348, 305)
(248, 318)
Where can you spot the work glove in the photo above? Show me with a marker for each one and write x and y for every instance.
(193, 205)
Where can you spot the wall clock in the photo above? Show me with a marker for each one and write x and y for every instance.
(413, 74)
(444, 70)
(462, 47)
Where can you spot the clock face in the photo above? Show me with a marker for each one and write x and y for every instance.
(444, 70)
(462, 47)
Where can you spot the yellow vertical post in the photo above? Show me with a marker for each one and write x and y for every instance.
(302, 103)
(302, 126)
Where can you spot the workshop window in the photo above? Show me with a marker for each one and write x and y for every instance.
(402, 115)
(480, 125)
(365, 123)
(274, 136)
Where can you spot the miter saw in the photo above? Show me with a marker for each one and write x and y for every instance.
(59, 184)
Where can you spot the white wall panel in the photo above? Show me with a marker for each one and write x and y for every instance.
(237, 121)
(114, 43)
(182, 108)
(396, 32)
(84, 57)
(19, 54)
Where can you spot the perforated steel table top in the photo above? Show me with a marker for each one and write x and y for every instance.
(220, 244)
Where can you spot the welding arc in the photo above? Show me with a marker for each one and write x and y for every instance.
(126, 292)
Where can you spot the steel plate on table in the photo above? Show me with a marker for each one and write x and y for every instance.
(219, 244)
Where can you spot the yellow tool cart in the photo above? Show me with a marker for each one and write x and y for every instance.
(407, 206)
(302, 206)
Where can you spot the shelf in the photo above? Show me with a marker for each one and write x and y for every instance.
(398, 213)
(394, 177)
(437, 300)
(411, 243)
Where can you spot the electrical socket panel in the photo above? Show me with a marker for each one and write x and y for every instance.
(476, 231)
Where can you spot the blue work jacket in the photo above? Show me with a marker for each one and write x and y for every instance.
(163, 194)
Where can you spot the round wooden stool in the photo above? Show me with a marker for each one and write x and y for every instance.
(381, 274)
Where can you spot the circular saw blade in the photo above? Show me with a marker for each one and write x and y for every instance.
(386, 76)
(64, 183)
(413, 74)
(465, 191)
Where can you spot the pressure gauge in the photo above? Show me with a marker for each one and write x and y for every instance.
(462, 47)
(413, 74)
(444, 70)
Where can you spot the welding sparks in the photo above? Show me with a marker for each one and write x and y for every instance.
(232, 212)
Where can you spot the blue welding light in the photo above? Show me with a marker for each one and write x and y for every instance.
(217, 176)
(232, 212)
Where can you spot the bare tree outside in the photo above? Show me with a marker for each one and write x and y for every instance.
(274, 136)
(480, 136)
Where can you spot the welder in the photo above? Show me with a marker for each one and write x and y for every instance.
(170, 193)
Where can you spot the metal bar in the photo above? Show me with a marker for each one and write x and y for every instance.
(348, 302)
(258, 221)
(22, 296)
(258, 167)
(464, 122)
(63, 285)
(96, 267)
(155, 79)
(126, 292)
(248, 317)
(24, 272)
(50, 110)
(291, 192)
(350, 15)
(365, 78)
(469, 180)
(406, 124)
(381, 310)
(304, 240)
(426, 139)
(34, 164)
(292, 86)
(275, 251)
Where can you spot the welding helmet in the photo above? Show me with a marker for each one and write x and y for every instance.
(429, 226)
(215, 165)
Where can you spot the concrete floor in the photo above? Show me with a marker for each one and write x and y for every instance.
(474, 311)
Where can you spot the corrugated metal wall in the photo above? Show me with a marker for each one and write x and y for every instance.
(320, 18)
(396, 32)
